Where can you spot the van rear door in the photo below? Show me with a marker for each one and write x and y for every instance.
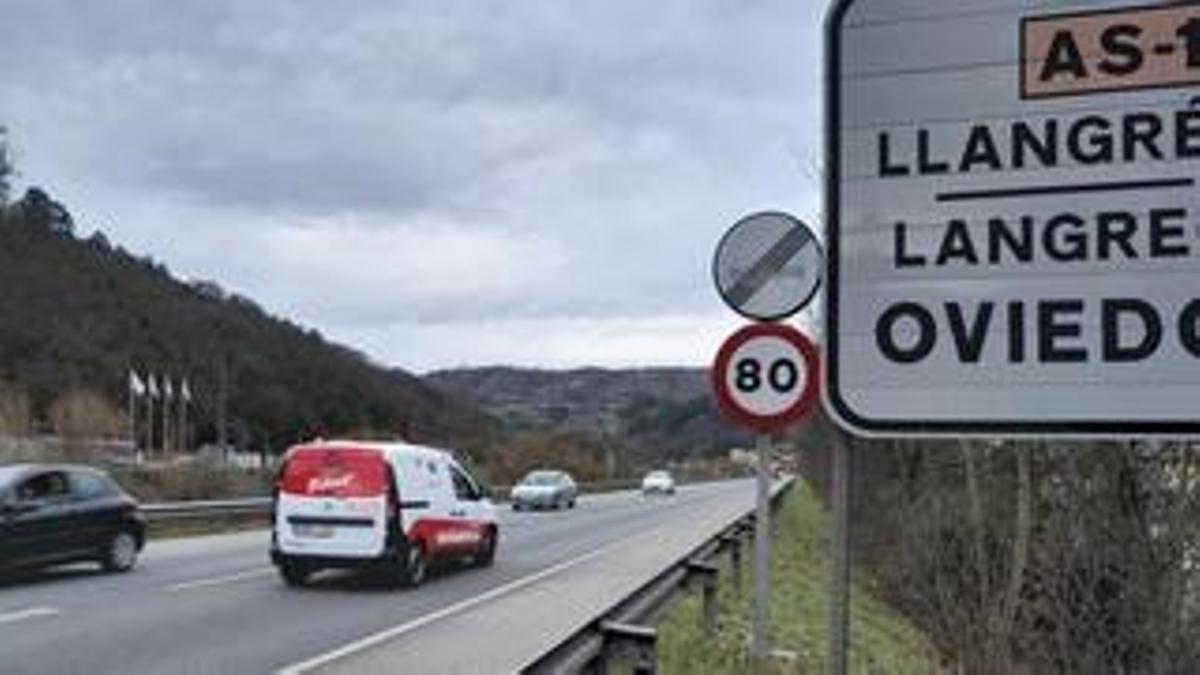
(333, 503)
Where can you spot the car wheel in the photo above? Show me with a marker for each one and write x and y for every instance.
(121, 552)
(294, 574)
(487, 549)
(414, 566)
(516, 506)
(571, 504)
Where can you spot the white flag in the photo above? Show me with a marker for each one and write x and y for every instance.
(136, 385)
(185, 392)
(152, 386)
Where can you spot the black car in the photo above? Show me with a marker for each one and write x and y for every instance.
(61, 514)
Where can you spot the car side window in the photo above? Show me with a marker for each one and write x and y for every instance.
(86, 485)
(464, 489)
(49, 486)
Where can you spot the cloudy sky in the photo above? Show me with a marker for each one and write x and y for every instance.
(436, 183)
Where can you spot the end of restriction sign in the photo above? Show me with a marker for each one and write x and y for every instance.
(767, 376)
(768, 266)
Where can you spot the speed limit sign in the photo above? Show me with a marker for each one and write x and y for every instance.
(766, 376)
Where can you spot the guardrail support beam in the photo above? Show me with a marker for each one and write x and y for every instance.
(638, 645)
(706, 573)
(733, 542)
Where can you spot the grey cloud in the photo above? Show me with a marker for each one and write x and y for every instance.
(623, 136)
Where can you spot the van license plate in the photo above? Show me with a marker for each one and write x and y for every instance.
(314, 531)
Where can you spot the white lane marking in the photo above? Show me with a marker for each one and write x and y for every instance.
(397, 631)
(221, 580)
(30, 613)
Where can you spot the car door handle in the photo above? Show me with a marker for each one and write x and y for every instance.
(458, 513)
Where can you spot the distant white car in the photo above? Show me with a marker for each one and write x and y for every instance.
(658, 482)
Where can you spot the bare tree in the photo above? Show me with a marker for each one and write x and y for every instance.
(16, 416)
(80, 417)
(1032, 557)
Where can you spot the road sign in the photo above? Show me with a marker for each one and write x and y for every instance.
(766, 376)
(768, 266)
(1012, 217)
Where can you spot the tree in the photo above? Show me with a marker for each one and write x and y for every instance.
(39, 209)
(572, 452)
(80, 417)
(16, 416)
(6, 168)
(1031, 557)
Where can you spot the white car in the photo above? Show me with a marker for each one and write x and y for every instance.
(390, 507)
(658, 482)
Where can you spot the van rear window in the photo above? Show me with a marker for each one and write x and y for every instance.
(317, 472)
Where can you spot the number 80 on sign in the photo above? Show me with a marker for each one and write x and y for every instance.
(766, 376)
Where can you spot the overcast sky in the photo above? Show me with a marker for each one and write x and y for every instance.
(441, 183)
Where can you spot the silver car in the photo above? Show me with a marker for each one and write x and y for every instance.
(545, 489)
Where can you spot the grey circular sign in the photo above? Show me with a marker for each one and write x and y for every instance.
(768, 266)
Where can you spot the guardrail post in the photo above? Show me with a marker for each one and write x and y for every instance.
(636, 644)
(734, 543)
(707, 573)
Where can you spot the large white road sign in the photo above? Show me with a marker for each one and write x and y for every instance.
(1014, 217)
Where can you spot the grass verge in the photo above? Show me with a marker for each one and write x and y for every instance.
(882, 640)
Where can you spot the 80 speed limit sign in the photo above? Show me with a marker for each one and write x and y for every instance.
(766, 376)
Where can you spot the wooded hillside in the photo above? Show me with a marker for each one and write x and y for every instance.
(655, 415)
(77, 314)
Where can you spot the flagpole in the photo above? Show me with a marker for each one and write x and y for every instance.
(181, 431)
(137, 452)
(166, 415)
(151, 394)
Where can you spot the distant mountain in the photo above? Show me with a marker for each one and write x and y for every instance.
(78, 314)
(657, 413)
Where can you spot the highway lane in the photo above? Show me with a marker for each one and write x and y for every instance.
(214, 604)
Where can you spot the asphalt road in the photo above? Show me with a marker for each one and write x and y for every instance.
(215, 605)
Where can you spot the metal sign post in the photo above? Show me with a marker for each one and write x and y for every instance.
(760, 640)
(839, 560)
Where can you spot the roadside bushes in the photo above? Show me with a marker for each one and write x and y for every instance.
(192, 482)
(1031, 556)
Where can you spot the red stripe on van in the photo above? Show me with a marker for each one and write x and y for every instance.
(445, 535)
(330, 472)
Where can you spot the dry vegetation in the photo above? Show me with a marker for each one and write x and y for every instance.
(1033, 557)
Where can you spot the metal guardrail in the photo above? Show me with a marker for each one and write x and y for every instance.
(165, 511)
(624, 632)
(251, 506)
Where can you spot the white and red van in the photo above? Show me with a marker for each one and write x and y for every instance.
(391, 507)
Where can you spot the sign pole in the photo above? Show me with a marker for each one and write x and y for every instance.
(760, 641)
(839, 591)
(767, 267)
